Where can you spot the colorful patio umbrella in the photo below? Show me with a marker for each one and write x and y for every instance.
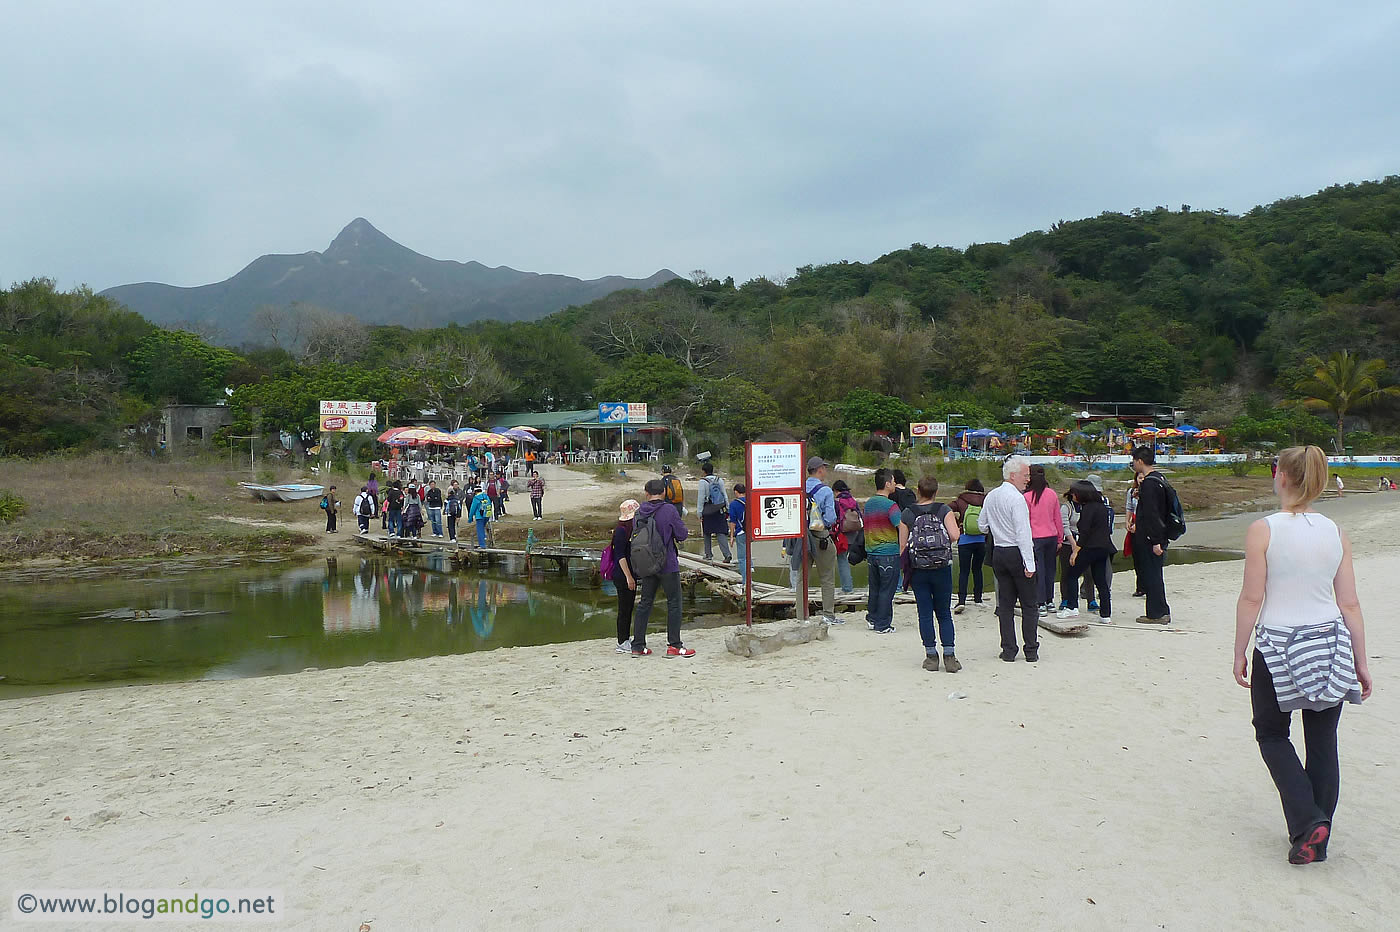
(1169, 432)
(524, 436)
(533, 430)
(413, 437)
(391, 433)
(1207, 433)
(1188, 429)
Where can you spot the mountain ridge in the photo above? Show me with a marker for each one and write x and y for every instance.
(372, 277)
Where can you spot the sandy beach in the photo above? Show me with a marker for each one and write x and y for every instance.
(1116, 784)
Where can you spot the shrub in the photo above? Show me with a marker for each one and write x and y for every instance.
(11, 506)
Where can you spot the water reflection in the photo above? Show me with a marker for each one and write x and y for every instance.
(261, 619)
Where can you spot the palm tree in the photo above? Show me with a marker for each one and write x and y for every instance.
(1342, 384)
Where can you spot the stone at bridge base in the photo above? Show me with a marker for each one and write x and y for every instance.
(751, 642)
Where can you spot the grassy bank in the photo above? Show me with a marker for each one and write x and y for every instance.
(114, 506)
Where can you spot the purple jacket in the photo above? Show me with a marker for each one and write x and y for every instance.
(668, 522)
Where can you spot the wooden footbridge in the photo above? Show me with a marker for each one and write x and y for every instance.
(723, 580)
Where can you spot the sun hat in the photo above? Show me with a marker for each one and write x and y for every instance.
(628, 510)
(1096, 481)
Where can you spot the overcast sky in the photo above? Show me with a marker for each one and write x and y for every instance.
(177, 142)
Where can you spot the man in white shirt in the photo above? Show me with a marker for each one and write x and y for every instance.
(1007, 519)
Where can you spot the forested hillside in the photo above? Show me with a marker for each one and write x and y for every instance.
(1215, 312)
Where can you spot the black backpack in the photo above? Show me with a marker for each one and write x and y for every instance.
(930, 547)
(366, 505)
(648, 554)
(1174, 521)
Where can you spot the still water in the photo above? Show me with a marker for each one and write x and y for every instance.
(195, 622)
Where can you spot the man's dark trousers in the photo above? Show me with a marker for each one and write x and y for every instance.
(1149, 567)
(1013, 585)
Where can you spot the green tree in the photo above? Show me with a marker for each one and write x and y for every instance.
(1344, 383)
(866, 411)
(178, 367)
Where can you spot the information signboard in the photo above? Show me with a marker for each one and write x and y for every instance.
(928, 430)
(349, 417)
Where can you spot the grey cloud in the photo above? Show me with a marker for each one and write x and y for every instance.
(588, 139)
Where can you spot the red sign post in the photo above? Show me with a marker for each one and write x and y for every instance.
(774, 476)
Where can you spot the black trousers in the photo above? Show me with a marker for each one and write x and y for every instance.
(1149, 568)
(330, 519)
(670, 584)
(537, 506)
(1013, 585)
(1308, 791)
(970, 559)
(626, 601)
(1093, 564)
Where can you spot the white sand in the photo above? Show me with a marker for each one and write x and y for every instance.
(1114, 785)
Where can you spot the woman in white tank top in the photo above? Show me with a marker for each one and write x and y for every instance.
(1299, 601)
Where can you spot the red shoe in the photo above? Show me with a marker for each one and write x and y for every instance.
(679, 652)
(644, 652)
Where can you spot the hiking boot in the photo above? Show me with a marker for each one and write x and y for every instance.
(1145, 620)
(931, 663)
(951, 664)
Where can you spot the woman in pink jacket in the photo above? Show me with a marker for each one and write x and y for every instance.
(1047, 527)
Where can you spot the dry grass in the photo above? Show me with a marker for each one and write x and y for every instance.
(112, 505)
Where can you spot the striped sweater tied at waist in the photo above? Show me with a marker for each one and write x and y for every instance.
(1312, 665)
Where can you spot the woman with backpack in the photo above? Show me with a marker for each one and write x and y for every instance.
(930, 534)
(619, 554)
(1091, 547)
(480, 511)
(972, 544)
(1047, 529)
(847, 527)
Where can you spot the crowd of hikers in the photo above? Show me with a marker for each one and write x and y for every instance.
(405, 509)
(1031, 536)
(1298, 603)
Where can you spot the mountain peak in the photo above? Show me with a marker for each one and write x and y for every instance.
(359, 234)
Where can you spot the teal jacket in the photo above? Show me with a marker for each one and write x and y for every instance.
(480, 507)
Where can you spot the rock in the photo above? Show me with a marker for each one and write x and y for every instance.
(751, 642)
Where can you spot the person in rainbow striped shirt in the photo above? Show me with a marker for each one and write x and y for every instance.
(882, 553)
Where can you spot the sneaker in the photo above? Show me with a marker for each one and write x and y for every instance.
(1032, 655)
(679, 652)
(1106, 620)
(1139, 594)
(1008, 657)
(831, 619)
(931, 663)
(951, 664)
(959, 608)
(870, 625)
(625, 647)
(889, 630)
(1093, 605)
(1305, 849)
(1067, 613)
(1045, 611)
(1145, 620)
(643, 652)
